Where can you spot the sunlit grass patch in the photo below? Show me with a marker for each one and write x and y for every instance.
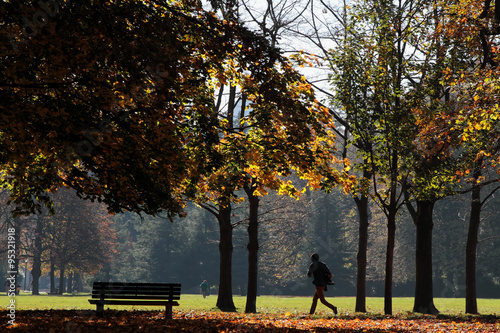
(283, 306)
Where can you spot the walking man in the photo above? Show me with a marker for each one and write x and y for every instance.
(322, 275)
(204, 288)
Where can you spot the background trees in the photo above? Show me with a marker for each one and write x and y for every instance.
(76, 239)
(323, 223)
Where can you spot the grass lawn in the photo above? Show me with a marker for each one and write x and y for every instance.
(265, 304)
(276, 314)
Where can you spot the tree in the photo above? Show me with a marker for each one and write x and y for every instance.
(472, 28)
(431, 167)
(328, 24)
(372, 102)
(413, 55)
(133, 100)
(13, 248)
(319, 153)
(223, 215)
(280, 128)
(93, 89)
(78, 237)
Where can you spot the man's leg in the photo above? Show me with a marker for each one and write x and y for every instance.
(315, 302)
(321, 295)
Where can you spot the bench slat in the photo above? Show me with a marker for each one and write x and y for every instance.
(127, 284)
(125, 302)
(122, 287)
(168, 298)
(138, 292)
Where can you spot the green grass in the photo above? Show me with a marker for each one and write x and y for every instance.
(265, 304)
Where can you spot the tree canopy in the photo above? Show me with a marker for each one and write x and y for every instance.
(117, 101)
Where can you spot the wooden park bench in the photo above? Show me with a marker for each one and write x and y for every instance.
(121, 293)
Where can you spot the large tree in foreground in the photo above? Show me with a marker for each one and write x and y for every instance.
(116, 100)
(106, 99)
(473, 27)
(121, 107)
(270, 126)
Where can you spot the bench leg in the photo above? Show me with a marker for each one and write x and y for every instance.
(100, 310)
(168, 312)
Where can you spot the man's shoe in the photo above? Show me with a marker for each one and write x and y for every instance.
(335, 309)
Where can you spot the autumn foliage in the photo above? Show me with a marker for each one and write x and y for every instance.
(198, 321)
(119, 98)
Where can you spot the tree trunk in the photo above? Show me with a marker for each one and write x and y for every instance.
(225, 296)
(52, 279)
(424, 298)
(471, 249)
(36, 271)
(391, 210)
(60, 290)
(79, 284)
(362, 205)
(69, 284)
(253, 251)
(389, 261)
(17, 226)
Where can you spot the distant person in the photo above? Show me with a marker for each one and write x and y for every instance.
(204, 288)
(322, 277)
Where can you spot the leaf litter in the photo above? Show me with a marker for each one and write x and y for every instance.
(79, 321)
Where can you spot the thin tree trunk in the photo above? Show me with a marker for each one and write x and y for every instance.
(362, 205)
(424, 298)
(36, 271)
(225, 296)
(60, 290)
(14, 267)
(471, 249)
(253, 250)
(79, 284)
(391, 237)
(69, 284)
(391, 234)
(52, 278)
